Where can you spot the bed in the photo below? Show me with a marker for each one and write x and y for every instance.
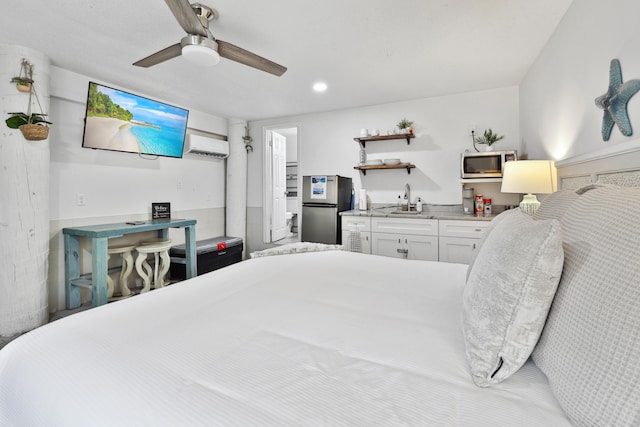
(363, 343)
(344, 339)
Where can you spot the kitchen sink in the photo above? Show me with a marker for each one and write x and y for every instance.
(393, 210)
(412, 213)
(405, 213)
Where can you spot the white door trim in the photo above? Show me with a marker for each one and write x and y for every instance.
(267, 184)
(279, 187)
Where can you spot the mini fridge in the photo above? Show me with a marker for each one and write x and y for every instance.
(323, 198)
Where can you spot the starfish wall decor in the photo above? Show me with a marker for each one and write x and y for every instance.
(614, 102)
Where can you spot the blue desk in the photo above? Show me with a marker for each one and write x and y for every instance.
(100, 235)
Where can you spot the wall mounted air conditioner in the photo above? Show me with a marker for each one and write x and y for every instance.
(197, 144)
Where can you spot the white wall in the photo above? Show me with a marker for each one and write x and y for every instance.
(24, 199)
(326, 146)
(559, 118)
(121, 186)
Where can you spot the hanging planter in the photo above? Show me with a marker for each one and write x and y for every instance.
(33, 132)
(32, 125)
(24, 81)
(23, 85)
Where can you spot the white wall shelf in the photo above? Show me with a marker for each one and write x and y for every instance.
(363, 139)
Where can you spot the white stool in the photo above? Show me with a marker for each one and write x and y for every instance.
(125, 270)
(145, 263)
(160, 251)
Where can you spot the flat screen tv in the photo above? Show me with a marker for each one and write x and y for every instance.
(120, 121)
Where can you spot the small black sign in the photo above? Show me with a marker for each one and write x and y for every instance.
(160, 210)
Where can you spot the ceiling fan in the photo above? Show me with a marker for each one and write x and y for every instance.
(199, 45)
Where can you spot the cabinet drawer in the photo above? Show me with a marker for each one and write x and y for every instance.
(356, 223)
(455, 228)
(425, 227)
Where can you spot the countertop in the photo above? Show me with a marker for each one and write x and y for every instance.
(453, 212)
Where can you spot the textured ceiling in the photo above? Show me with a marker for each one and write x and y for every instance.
(367, 51)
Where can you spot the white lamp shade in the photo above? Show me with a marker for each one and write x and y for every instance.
(529, 176)
(201, 55)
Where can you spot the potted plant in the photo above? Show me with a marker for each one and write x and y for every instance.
(24, 79)
(405, 126)
(33, 126)
(23, 84)
(488, 138)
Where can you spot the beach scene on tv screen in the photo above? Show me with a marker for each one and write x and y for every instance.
(121, 121)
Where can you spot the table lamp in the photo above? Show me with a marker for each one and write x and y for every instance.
(529, 177)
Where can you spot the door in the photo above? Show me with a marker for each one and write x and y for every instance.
(320, 224)
(457, 249)
(388, 244)
(405, 246)
(356, 233)
(279, 180)
(356, 241)
(424, 248)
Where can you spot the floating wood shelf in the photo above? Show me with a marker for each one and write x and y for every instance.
(363, 140)
(407, 166)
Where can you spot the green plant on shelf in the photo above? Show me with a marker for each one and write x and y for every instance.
(404, 124)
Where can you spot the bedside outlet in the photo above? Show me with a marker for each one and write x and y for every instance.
(80, 199)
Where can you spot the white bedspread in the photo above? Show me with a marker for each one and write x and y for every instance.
(326, 338)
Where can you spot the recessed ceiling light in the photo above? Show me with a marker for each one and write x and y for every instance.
(320, 86)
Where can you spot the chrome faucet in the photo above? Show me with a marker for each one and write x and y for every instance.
(407, 194)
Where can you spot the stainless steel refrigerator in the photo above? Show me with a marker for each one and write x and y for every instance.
(323, 198)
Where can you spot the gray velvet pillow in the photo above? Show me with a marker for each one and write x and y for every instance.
(493, 224)
(508, 294)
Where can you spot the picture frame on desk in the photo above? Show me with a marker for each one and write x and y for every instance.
(161, 210)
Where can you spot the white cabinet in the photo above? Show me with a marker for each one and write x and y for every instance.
(407, 246)
(356, 233)
(405, 238)
(413, 238)
(459, 239)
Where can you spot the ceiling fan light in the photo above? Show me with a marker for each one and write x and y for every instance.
(200, 55)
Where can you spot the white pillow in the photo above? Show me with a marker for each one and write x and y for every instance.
(508, 294)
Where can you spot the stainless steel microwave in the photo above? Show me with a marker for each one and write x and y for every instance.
(488, 164)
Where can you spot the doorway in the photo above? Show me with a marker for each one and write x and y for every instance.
(281, 207)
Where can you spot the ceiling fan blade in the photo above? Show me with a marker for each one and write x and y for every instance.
(186, 17)
(161, 56)
(235, 53)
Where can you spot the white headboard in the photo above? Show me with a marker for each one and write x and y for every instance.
(618, 164)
